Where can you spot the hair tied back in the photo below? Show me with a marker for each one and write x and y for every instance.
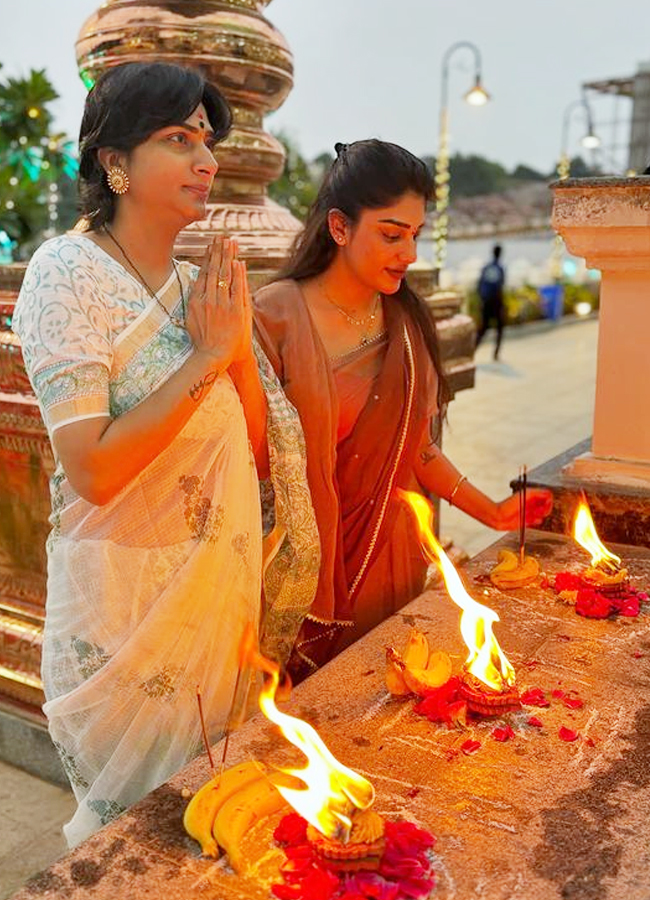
(340, 149)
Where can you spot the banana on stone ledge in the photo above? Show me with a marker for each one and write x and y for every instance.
(510, 573)
(204, 806)
(254, 802)
(416, 670)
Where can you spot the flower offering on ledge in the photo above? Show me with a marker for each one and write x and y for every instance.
(404, 868)
(603, 588)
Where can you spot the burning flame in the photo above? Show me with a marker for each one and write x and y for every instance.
(486, 660)
(332, 791)
(584, 531)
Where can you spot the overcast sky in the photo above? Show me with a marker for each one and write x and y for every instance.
(372, 68)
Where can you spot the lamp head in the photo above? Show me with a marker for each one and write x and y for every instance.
(477, 96)
(591, 141)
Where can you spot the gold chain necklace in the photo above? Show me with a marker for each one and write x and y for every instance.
(175, 320)
(359, 323)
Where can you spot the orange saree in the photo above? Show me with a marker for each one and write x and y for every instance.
(363, 417)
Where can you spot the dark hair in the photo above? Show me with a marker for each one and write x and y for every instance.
(497, 250)
(367, 175)
(124, 108)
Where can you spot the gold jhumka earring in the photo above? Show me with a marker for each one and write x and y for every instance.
(118, 180)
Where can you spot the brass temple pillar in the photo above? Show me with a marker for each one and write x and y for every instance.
(237, 48)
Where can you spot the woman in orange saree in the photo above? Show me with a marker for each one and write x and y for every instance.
(356, 352)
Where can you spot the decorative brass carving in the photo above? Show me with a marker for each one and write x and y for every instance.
(238, 49)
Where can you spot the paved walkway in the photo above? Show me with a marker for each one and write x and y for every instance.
(527, 408)
(537, 401)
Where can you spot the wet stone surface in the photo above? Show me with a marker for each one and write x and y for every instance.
(533, 817)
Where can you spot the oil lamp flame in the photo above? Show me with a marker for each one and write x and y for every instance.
(332, 791)
(584, 532)
(486, 660)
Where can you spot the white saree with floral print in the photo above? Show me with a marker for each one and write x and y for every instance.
(147, 595)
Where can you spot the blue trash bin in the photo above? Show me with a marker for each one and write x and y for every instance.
(551, 297)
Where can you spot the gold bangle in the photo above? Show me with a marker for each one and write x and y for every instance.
(461, 478)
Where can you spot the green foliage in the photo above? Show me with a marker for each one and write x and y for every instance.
(298, 185)
(473, 175)
(37, 165)
(525, 173)
(523, 303)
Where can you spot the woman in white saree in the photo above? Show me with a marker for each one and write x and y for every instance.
(147, 380)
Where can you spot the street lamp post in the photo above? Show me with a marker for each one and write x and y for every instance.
(590, 140)
(476, 96)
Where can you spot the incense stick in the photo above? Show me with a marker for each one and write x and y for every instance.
(523, 478)
(205, 734)
(229, 720)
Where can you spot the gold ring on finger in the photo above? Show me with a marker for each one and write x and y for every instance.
(222, 283)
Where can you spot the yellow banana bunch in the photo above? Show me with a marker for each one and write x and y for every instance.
(255, 801)
(204, 806)
(416, 670)
(510, 572)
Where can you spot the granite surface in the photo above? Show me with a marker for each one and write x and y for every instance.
(533, 818)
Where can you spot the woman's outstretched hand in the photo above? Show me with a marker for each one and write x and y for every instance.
(219, 317)
(539, 503)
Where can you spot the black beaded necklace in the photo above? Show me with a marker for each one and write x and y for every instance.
(175, 320)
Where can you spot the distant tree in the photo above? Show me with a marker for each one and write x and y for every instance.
(472, 175)
(297, 187)
(525, 173)
(37, 164)
(580, 169)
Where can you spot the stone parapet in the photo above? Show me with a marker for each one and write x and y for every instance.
(532, 817)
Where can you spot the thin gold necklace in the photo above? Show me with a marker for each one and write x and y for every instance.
(175, 320)
(360, 323)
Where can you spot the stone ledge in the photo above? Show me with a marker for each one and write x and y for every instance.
(532, 817)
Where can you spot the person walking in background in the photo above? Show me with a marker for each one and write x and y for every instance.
(490, 291)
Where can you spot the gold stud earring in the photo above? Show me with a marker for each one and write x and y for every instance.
(118, 180)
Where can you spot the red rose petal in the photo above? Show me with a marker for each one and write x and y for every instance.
(535, 722)
(292, 829)
(567, 734)
(503, 734)
(573, 702)
(558, 694)
(534, 697)
(470, 746)
(287, 891)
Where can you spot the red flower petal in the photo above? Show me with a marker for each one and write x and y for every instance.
(319, 885)
(637, 654)
(567, 734)
(558, 694)
(535, 722)
(592, 605)
(503, 734)
(573, 702)
(292, 829)
(567, 581)
(470, 746)
(534, 697)
(287, 891)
